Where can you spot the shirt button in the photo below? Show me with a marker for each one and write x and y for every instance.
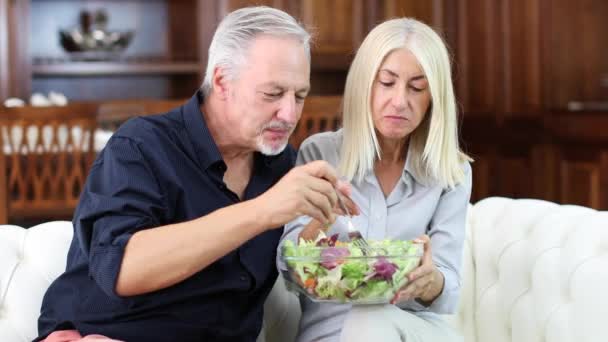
(244, 277)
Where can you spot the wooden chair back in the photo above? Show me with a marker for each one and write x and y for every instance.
(320, 114)
(112, 114)
(46, 154)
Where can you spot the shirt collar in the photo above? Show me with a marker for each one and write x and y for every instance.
(204, 146)
(408, 169)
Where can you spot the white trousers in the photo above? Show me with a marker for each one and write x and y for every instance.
(388, 323)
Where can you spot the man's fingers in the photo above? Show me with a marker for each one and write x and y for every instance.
(344, 187)
(312, 229)
(350, 205)
(322, 203)
(323, 187)
(321, 169)
(315, 213)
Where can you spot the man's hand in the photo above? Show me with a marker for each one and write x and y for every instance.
(425, 282)
(306, 190)
(312, 229)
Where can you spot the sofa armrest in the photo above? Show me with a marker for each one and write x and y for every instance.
(30, 259)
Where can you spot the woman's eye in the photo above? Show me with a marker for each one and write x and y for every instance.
(416, 89)
(387, 84)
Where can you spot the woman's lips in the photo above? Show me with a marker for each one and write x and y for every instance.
(395, 118)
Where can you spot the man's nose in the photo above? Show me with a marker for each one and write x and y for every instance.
(287, 110)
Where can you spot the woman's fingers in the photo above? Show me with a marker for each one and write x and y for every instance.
(412, 290)
(421, 278)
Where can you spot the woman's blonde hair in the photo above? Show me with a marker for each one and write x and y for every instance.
(434, 151)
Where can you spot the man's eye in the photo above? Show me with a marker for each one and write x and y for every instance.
(300, 98)
(273, 94)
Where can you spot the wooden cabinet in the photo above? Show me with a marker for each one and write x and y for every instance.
(163, 59)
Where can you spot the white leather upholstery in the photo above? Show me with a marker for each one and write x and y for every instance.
(540, 272)
(30, 259)
(533, 271)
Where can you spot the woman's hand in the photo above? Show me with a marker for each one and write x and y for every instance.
(425, 282)
(315, 227)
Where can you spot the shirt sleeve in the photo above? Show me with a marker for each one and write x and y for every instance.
(447, 234)
(121, 197)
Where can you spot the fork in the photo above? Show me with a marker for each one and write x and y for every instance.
(355, 235)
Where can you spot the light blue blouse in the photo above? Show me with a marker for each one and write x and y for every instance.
(411, 209)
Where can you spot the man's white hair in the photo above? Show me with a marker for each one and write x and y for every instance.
(238, 29)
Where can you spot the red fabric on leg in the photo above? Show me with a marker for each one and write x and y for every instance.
(74, 336)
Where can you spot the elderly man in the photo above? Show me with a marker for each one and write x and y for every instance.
(176, 230)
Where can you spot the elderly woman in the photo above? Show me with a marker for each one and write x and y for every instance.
(399, 149)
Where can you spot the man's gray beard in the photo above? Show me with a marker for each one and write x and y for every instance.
(268, 150)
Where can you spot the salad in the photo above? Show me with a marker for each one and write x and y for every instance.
(329, 270)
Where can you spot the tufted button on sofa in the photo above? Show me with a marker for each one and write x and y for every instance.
(533, 271)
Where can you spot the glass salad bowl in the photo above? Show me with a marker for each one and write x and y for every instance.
(332, 271)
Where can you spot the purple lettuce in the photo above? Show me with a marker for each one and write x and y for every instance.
(333, 256)
(384, 269)
(328, 241)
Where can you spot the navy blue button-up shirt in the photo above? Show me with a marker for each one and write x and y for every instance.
(158, 170)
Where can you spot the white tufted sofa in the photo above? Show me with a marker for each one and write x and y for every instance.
(534, 271)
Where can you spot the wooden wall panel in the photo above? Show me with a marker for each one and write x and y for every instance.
(4, 52)
(604, 179)
(580, 183)
(336, 24)
(182, 44)
(521, 74)
(513, 175)
(338, 28)
(482, 174)
(477, 53)
(578, 62)
(15, 79)
(421, 10)
(227, 6)
(497, 46)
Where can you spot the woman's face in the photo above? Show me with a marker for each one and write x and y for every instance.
(400, 96)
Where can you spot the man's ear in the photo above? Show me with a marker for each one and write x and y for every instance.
(220, 82)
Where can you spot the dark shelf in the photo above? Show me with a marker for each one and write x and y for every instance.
(109, 68)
